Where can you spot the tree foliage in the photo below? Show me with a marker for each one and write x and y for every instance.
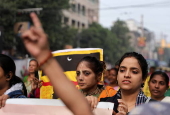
(50, 17)
(121, 30)
(114, 42)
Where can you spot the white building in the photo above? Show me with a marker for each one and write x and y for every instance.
(132, 25)
(82, 13)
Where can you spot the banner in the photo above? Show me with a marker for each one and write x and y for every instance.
(47, 107)
(68, 60)
(20, 27)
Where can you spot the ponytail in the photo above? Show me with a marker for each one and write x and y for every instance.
(103, 65)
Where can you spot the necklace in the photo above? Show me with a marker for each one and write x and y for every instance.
(95, 92)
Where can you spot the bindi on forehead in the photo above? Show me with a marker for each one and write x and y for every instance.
(84, 66)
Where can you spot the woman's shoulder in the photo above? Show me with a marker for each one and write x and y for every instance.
(108, 91)
(166, 99)
(17, 94)
(109, 99)
(149, 99)
(108, 87)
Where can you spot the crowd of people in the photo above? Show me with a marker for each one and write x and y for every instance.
(123, 84)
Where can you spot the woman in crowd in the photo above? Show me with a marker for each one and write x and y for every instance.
(11, 86)
(133, 70)
(32, 80)
(36, 42)
(113, 78)
(105, 77)
(89, 72)
(158, 85)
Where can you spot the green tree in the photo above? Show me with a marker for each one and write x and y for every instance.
(50, 17)
(121, 31)
(114, 42)
(98, 37)
(7, 19)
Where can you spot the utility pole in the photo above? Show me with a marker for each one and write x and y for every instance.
(142, 23)
(141, 38)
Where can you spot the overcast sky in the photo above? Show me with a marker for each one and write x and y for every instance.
(156, 14)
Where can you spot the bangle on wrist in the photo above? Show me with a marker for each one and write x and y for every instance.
(50, 55)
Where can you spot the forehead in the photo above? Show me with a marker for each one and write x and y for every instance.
(33, 62)
(83, 65)
(158, 78)
(112, 71)
(130, 62)
(1, 69)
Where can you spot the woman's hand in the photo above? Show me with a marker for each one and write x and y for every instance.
(92, 101)
(40, 83)
(35, 83)
(35, 39)
(122, 108)
(3, 99)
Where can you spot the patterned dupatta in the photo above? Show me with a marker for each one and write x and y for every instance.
(141, 98)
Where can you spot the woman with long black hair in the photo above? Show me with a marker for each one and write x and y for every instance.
(11, 86)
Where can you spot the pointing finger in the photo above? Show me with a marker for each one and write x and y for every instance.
(35, 20)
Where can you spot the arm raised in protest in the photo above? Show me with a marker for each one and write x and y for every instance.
(36, 43)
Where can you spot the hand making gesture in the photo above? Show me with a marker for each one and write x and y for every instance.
(35, 39)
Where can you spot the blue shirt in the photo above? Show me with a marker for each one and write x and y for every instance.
(17, 94)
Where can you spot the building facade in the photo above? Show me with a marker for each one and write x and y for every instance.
(81, 13)
(132, 25)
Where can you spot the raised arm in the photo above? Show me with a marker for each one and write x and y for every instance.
(36, 43)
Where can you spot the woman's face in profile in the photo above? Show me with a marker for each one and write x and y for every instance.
(3, 78)
(86, 78)
(130, 74)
